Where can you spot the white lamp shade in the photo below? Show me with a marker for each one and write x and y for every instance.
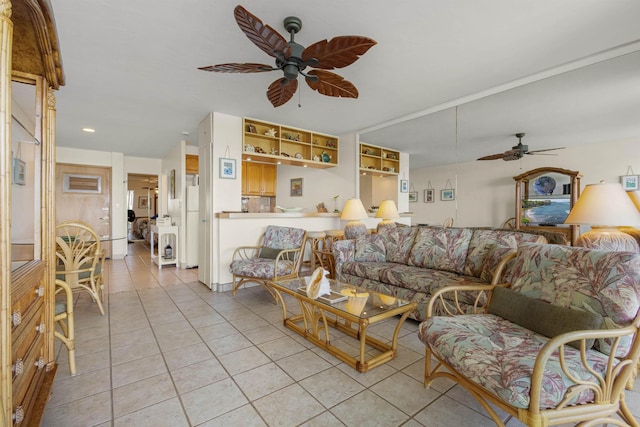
(353, 210)
(604, 205)
(387, 210)
(635, 198)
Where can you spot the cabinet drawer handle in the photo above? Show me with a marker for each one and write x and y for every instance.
(18, 415)
(41, 328)
(40, 291)
(16, 318)
(18, 367)
(40, 363)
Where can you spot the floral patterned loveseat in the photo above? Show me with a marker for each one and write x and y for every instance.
(413, 262)
(559, 345)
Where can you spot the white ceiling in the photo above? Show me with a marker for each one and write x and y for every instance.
(566, 72)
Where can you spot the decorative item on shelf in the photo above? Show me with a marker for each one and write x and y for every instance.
(321, 208)
(392, 170)
(368, 152)
(283, 154)
(331, 143)
(388, 212)
(271, 132)
(335, 203)
(251, 128)
(391, 156)
(274, 152)
(605, 207)
(249, 148)
(298, 155)
(354, 212)
(259, 150)
(326, 157)
(316, 158)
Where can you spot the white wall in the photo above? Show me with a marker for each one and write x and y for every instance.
(485, 190)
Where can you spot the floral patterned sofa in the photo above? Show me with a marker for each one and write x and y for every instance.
(413, 262)
(559, 345)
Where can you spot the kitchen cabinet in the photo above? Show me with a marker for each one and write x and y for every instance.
(192, 164)
(259, 179)
(277, 144)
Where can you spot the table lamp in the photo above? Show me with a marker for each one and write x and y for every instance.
(605, 207)
(353, 212)
(387, 211)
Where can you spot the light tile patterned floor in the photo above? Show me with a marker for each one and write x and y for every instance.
(169, 352)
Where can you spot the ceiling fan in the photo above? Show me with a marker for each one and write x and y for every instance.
(518, 151)
(293, 59)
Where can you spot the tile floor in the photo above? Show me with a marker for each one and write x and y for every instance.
(169, 352)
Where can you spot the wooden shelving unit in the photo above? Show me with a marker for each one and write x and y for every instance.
(272, 143)
(380, 160)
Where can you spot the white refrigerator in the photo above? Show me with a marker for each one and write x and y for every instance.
(191, 231)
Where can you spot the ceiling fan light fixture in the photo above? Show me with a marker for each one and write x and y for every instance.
(292, 58)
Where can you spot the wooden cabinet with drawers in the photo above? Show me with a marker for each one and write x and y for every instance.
(259, 179)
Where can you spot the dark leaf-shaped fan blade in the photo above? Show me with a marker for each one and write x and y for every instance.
(339, 52)
(237, 68)
(540, 151)
(280, 91)
(331, 84)
(492, 157)
(263, 36)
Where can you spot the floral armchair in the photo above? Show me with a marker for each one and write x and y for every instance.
(277, 257)
(557, 345)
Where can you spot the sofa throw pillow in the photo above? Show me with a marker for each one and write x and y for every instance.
(541, 317)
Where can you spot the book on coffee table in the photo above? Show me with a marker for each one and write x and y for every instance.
(331, 298)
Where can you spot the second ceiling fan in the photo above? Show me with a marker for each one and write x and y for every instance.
(292, 58)
(518, 151)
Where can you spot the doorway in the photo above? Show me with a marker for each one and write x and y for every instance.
(142, 206)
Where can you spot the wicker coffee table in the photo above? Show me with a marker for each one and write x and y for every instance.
(360, 308)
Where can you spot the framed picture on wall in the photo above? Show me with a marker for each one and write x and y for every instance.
(447, 194)
(404, 186)
(429, 196)
(296, 187)
(630, 182)
(413, 196)
(143, 202)
(227, 168)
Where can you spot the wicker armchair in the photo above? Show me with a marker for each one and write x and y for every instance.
(506, 357)
(277, 257)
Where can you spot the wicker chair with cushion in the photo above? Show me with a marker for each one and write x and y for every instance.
(78, 252)
(558, 345)
(277, 257)
(64, 319)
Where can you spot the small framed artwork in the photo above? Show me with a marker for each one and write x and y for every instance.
(448, 194)
(19, 172)
(404, 186)
(630, 182)
(227, 168)
(296, 187)
(429, 196)
(413, 196)
(172, 184)
(143, 202)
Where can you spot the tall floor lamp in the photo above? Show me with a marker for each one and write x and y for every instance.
(605, 207)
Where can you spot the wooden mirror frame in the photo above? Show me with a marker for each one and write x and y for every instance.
(522, 192)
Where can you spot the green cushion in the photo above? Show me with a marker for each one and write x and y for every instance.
(541, 317)
(269, 253)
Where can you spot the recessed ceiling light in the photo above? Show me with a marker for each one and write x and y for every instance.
(88, 130)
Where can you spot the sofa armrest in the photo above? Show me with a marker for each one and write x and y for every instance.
(343, 251)
(448, 298)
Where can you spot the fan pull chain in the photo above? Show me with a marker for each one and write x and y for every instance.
(299, 92)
